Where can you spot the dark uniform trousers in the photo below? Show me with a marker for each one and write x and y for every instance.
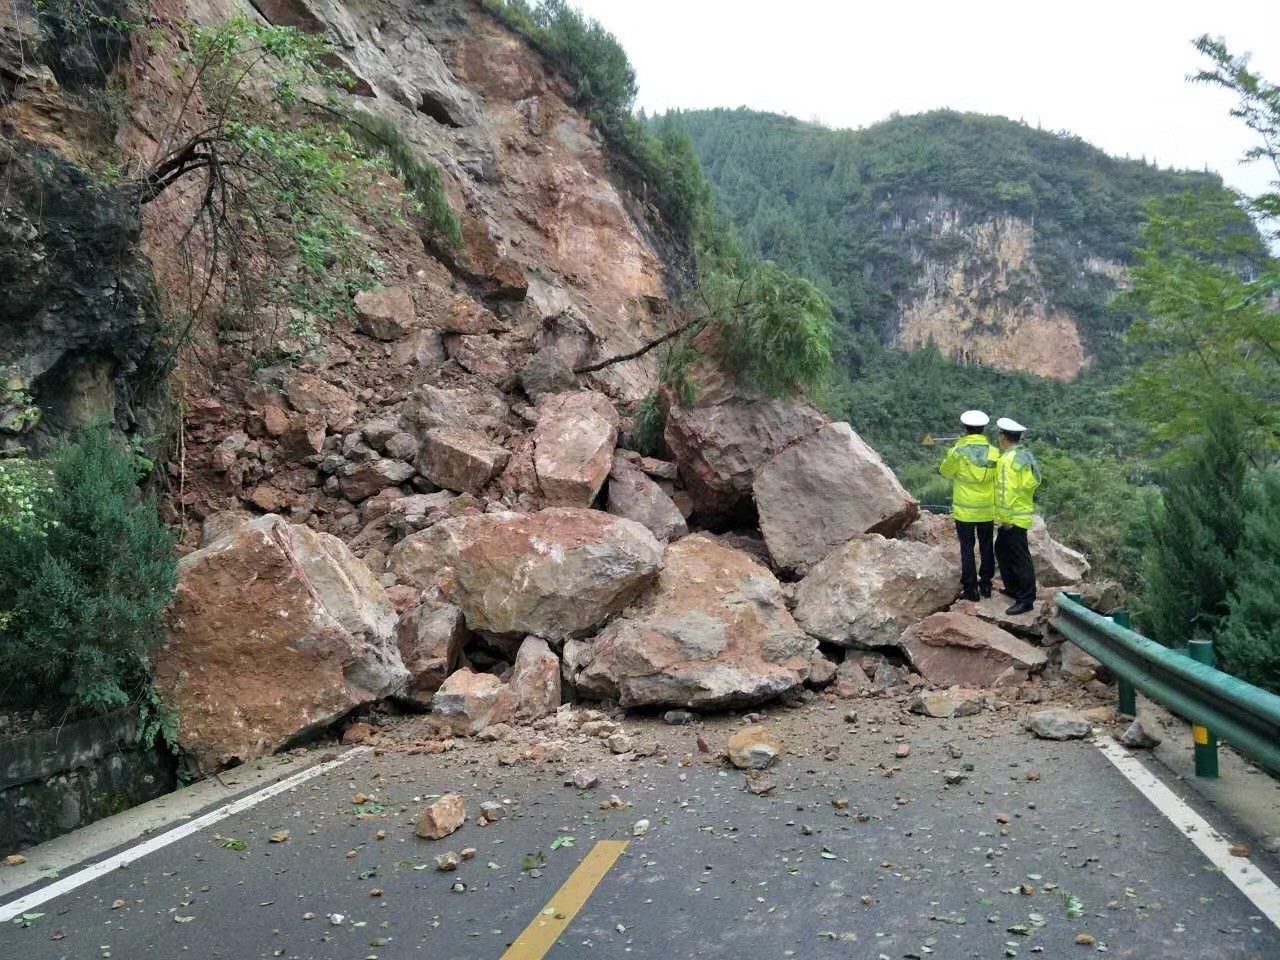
(971, 578)
(1014, 556)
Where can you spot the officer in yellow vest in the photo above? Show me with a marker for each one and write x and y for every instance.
(1017, 477)
(970, 465)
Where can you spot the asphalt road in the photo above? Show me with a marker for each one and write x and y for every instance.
(1043, 842)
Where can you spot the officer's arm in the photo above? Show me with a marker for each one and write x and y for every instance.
(950, 467)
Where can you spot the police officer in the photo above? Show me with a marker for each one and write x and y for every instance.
(970, 465)
(1017, 477)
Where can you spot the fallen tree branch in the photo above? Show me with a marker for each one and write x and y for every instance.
(641, 351)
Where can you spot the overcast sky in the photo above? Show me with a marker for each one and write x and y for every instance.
(1112, 72)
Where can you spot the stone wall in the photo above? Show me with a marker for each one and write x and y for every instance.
(55, 781)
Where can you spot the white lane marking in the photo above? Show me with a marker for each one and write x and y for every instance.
(1251, 881)
(27, 904)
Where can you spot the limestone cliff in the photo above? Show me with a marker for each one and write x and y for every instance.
(978, 295)
(1001, 243)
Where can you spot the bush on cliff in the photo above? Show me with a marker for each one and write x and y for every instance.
(85, 576)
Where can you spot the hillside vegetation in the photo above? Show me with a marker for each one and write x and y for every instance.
(848, 207)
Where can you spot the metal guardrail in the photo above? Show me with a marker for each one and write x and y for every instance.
(1216, 703)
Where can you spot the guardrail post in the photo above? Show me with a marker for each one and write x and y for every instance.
(1206, 742)
(1128, 694)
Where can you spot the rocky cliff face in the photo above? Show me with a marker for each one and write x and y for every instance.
(979, 296)
(77, 333)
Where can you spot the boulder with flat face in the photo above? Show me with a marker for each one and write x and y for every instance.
(632, 494)
(535, 680)
(715, 633)
(821, 491)
(958, 649)
(467, 702)
(275, 631)
(430, 637)
(1056, 564)
(385, 314)
(460, 459)
(866, 592)
(718, 448)
(573, 447)
(556, 573)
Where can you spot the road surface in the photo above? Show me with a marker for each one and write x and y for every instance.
(1043, 849)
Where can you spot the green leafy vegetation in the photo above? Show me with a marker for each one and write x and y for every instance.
(1249, 642)
(1209, 386)
(281, 174)
(84, 580)
(1195, 532)
(855, 209)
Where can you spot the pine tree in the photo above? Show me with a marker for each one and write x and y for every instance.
(83, 590)
(1249, 643)
(1194, 537)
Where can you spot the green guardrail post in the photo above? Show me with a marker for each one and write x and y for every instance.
(1206, 742)
(1128, 694)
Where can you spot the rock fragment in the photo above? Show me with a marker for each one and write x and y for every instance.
(442, 817)
(753, 748)
(1136, 737)
(1058, 725)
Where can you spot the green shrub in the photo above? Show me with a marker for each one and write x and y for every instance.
(1194, 536)
(776, 334)
(650, 423)
(1249, 643)
(83, 589)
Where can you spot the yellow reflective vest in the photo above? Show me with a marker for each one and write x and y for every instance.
(970, 465)
(1017, 478)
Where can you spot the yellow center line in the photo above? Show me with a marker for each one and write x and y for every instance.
(541, 935)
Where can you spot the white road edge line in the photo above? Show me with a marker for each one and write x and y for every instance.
(1248, 878)
(28, 903)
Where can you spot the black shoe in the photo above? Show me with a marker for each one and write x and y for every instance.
(1007, 592)
(984, 591)
(1022, 606)
(970, 593)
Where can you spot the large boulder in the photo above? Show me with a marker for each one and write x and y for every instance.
(385, 314)
(634, 496)
(460, 459)
(714, 634)
(865, 593)
(535, 680)
(957, 649)
(556, 573)
(275, 631)
(573, 447)
(359, 481)
(718, 448)
(1056, 565)
(823, 490)
(468, 408)
(430, 637)
(467, 702)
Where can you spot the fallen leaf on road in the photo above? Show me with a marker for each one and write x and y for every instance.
(280, 836)
(559, 842)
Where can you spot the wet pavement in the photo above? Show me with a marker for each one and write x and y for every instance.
(1042, 849)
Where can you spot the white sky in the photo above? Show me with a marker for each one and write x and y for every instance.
(1112, 72)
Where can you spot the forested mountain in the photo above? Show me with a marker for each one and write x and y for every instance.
(1001, 243)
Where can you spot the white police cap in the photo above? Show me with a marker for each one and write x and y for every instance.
(974, 418)
(1010, 426)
